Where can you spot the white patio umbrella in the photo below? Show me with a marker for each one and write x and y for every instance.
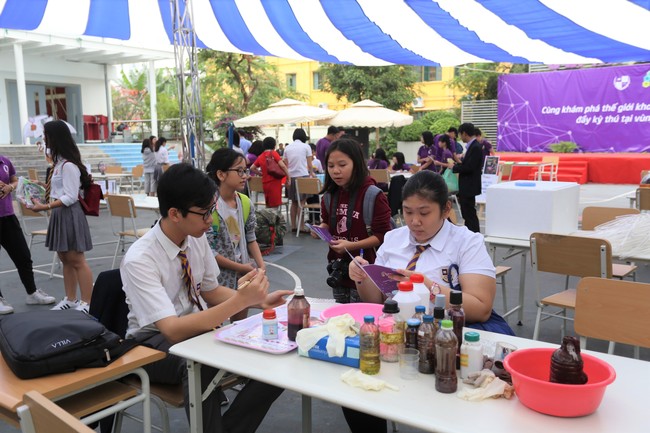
(371, 114)
(285, 111)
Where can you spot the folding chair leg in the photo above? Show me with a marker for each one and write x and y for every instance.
(583, 343)
(299, 222)
(563, 328)
(538, 320)
(503, 292)
(394, 425)
(637, 352)
(117, 248)
(611, 347)
(54, 260)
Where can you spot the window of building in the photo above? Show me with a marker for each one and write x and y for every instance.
(291, 81)
(428, 73)
(316, 84)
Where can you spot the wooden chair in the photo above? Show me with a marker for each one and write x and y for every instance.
(550, 171)
(41, 415)
(505, 172)
(137, 174)
(593, 216)
(255, 185)
(643, 199)
(33, 174)
(631, 321)
(26, 216)
(380, 176)
(123, 206)
(307, 185)
(569, 256)
(113, 169)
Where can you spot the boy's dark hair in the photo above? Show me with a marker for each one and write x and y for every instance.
(428, 185)
(454, 130)
(300, 134)
(332, 130)
(222, 159)
(352, 149)
(183, 186)
(256, 148)
(467, 128)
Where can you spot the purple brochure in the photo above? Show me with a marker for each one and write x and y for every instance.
(322, 233)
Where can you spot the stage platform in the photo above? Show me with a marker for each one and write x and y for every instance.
(614, 168)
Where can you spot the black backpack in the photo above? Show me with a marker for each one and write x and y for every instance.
(38, 343)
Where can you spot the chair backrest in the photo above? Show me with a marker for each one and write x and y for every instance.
(33, 174)
(308, 185)
(121, 205)
(571, 255)
(24, 214)
(108, 302)
(554, 159)
(643, 174)
(643, 198)
(41, 415)
(255, 184)
(380, 175)
(452, 216)
(137, 171)
(626, 320)
(593, 216)
(113, 169)
(165, 167)
(504, 171)
(27, 212)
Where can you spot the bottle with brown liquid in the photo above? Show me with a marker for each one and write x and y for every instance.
(411, 334)
(298, 312)
(426, 345)
(446, 348)
(567, 364)
(456, 314)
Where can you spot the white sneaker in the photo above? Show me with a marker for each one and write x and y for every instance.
(64, 304)
(5, 308)
(39, 297)
(82, 306)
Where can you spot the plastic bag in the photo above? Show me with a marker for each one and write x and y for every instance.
(28, 191)
(451, 179)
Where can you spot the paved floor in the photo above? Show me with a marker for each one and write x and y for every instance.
(305, 258)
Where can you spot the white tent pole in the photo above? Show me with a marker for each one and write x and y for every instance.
(153, 98)
(109, 102)
(22, 89)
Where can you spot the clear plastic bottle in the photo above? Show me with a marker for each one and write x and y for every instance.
(269, 325)
(298, 312)
(420, 289)
(391, 332)
(426, 345)
(369, 362)
(471, 354)
(406, 299)
(411, 334)
(446, 348)
(420, 311)
(456, 314)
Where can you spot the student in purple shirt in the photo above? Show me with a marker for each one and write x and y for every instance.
(445, 154)
(13, 240)
(380, 160)
(323, 144)
(486, 146)
(427, 152)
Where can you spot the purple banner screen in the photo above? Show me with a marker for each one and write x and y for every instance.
(599, 109)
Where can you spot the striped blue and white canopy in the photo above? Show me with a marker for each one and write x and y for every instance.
(365, 32)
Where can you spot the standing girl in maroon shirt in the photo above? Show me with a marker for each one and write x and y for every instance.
(346, 183)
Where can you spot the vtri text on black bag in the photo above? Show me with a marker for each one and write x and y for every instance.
(38, 343)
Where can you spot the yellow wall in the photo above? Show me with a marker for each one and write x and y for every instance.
(435, 94)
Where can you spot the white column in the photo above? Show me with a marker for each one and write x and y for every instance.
(109, 101)
(22, 89)
(153, 102)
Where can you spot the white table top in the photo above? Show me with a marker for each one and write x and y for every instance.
(418, 404)
(142, 201)
(406, 174)
(111, 175)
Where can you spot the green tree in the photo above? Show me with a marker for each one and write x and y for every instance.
(129, 96)
(479, 81)
(237, 84)
(391, 86)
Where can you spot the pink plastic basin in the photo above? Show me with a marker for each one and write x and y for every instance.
(530, 370)
(357, 311)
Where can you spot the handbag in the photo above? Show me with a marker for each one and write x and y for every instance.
(273, 168)
(451, 179)
(90, 200)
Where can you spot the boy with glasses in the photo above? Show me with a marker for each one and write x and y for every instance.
(170, 280)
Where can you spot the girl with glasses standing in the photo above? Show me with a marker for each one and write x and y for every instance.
(232, 236)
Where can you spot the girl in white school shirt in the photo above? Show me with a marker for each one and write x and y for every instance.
(426, 206)
(68, 233)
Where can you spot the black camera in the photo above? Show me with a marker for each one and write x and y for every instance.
(338, 270)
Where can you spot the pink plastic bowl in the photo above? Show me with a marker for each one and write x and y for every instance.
(530, 370)
(357, 311)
